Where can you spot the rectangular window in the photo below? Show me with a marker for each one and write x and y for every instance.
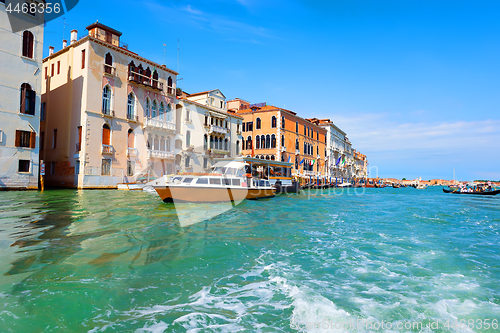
(297, 127)
(25, 139)
(205, 163)
(42, 138)
(46, 73)
(58, 67)
(187, 162)
(77, 167)
(243, 127)
(52, 70)
(79, 139)
(106, 167)
(52, 168)
(83, 59)
(250, 126)
(130, 168)
(24, 166)
(54, 139)
(42, 112)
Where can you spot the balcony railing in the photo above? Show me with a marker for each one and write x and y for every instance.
(97, 171)
(160, 154)
(107, 149)
(132, 117)
(132, 152)
(218, 129)
(109, 70)
(108, 112)
(157, 123)
(170, 90)
(144, 80)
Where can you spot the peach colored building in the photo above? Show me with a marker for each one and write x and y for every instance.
(360, 165)
(110, 113)
(274, 133)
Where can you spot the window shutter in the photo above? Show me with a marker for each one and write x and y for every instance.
(32, 140)
(23, 99)
(32, 103)
(18, 138)
(83, 59)
(30, 45)
(25, 44)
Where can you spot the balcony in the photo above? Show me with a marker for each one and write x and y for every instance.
(107, 149)
(145, 80)
(160, 154)
(170, 90)
(218, 130)
(108, 112)
(109, 70)
(132, 152)
(159, 124)
(131, 117)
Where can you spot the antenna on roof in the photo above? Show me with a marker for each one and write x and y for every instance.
(164, 50)
(178, 55)
(64, 26)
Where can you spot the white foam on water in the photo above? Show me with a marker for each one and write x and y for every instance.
(157, 327)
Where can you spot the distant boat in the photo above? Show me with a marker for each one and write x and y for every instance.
(457, 191)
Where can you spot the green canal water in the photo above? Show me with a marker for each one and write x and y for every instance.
(106, 261)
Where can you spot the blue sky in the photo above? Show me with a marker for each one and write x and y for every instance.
(413, 83)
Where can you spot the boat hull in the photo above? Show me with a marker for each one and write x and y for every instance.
(208, 195)
(495, 192)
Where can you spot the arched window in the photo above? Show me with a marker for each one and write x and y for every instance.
(257, 142)
(262, 141)
(297, 126)
(243, 144)
(106, 100)
(147, 73)
(268, 141)
(132, 76)
(272, 158)
(28, 99)
(267, 157)
(317, 135)
(211, 142)
(305, 130)
(257, 123)
(305, 148)
(130, 138)
(169, 81)
(237, 147)
(162, 111)
(131, 106)
(106, 134)
(108, 63)
(205, 142)
(156, 144)
(273, 141)
(167, 143)
(28, 44)
(283, 122)
(148, 108)
(249, 142)
(282, 141)
(262, 157)
(297, 144)
(155, 79)
(273, 122)
(226, 145)
(154, 109)
(168, 115)
(162, 144)
(188, 138)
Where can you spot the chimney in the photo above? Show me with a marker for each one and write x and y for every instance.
(51, 50)
(65, 43)
(74, 35)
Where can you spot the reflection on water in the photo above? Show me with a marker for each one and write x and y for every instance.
(124, 261)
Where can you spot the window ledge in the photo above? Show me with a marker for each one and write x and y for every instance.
(26, 114)
(30, 59)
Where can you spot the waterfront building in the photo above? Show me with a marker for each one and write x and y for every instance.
(207, 131)
(274, 133)
(21, 56)
(339, 155)
(360, 165)
(109, 113)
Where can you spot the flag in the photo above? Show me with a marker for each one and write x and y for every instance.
(338, 161)
(302, 161)
(313, 161)
(343, 161)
